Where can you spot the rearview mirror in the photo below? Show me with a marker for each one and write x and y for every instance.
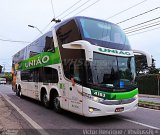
(80, 44)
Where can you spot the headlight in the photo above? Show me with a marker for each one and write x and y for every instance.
(93, 98)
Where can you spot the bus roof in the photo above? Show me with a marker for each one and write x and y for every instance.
(77, 18)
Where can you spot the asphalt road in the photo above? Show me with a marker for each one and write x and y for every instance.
(142, 121)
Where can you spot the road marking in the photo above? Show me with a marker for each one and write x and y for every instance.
(25, 116)
(148, 109)
(43, 132)
(139, 123)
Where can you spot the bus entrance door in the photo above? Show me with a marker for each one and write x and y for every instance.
(75, 98)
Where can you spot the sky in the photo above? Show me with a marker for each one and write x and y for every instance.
(16, 15)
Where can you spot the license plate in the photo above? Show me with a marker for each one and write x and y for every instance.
(120, 109)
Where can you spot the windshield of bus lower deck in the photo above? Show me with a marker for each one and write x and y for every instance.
(111, 71)
(102, 31)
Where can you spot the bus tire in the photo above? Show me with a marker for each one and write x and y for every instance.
(16, 90)
(19, 92)
(56, 104)
(44, 100)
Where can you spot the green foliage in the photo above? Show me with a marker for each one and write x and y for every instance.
(153, 70)
(148, 84)
(141, 63)
(8, 77)
(149, 103)
(1, 68)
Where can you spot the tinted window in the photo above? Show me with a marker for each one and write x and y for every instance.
(27, 75)
(43, 44)
(68, 33)
(44, 74)
(49, 44)
(103, 31)
(76, 71)
(50, 75)
(111, 71)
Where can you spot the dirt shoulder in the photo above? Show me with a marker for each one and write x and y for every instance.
(11, 122)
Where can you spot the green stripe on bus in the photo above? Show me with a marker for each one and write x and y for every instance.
(40, 60)
(114, 96)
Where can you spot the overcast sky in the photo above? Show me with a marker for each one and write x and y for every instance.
(15, 15)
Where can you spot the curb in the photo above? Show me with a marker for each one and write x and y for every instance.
(156, 107)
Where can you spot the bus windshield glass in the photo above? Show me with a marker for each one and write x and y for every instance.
(103, 31)
(111, 71)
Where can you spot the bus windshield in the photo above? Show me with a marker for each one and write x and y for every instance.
(103, 31)
(111, 71)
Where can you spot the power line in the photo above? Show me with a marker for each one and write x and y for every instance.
(53, 8)
(46, 26)
(138, 15)
(88, 7)
(53, 15)
(141, 23)
(76, 9)
(143, 28)
(6, 40)
(144, 31)
(73, 10)
(5, 37)
(126, 9)
(68, 8)
(61, 14)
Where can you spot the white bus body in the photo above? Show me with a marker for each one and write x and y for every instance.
(46, 70)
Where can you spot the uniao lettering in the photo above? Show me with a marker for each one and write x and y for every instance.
(114, 51)
(38, 61)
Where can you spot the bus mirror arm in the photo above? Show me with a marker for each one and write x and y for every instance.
(73, 81)
(80, 44)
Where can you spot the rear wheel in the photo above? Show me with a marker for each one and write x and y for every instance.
(44, 100)
(56, 103)
(16, 90)
(19, 92)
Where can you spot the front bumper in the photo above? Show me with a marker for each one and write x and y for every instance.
(100, 109)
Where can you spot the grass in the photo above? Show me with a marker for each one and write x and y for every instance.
(148, 103)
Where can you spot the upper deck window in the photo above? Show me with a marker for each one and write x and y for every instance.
(103, 31)
(68, 32)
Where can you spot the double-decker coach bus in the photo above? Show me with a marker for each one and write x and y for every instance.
(83, 65)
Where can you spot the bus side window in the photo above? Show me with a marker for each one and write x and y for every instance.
(49, 44)
(25, 76)
(75, 72)
(49, 75)
(69, 32)
(36, 75)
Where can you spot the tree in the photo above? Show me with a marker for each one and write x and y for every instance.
(142, 66)
(1, 68)
(8, 76)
